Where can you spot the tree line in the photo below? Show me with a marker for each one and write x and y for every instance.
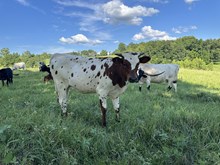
(187, 51)
(7, 59)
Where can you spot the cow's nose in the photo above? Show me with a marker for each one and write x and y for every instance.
(133, 80)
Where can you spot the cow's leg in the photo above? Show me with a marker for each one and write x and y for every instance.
(140, 85)
(169, 85)
(103, 105)
(115, 103)
(56, 89)
(11, 80)
(7, 81)
(175, 85)
(148, 84)
(3, 84)
(63, 96)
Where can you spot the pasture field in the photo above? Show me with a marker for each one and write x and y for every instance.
(157, 127)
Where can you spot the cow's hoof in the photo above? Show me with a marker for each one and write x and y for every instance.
(169, 88)
(117, 120)
(104, 125)
(64, 114)
(117, 117)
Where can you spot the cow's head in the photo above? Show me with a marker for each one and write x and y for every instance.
(129, 63)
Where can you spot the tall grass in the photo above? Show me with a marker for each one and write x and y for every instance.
(157, 127)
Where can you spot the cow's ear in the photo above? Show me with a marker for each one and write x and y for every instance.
(144, 59)
(117, 59)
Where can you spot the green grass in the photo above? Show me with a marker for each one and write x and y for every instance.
(217, 66)
(156, 127)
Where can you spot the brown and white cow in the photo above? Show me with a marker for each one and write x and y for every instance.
(108, 77)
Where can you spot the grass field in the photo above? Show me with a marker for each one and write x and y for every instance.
(157, 127)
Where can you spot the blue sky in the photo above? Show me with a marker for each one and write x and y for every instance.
(56, 26)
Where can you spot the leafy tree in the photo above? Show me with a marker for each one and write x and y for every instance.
(4, 52)
(6, 57)
(103, 53)
(121, 48)
(215, 55)
(88, 53)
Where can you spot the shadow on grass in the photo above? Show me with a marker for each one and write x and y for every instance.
(198, 93)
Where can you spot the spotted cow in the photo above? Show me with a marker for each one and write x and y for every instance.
(108, 77)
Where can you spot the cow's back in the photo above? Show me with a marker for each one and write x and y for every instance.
(170, 71)
(84, 74)
(19, 65)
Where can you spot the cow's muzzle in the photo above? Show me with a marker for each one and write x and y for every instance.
(133, 80)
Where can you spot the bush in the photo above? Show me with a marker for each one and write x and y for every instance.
(196, 63)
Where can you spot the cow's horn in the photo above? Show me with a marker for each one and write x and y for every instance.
(119, 55)
(141, 54)
(109, 56)
(154, 74)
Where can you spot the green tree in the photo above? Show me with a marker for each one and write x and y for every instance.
(121, 48)
(26, 56)
(88, 53)
(6, 57)
(4, 52)
(103, 53)
(215, 55)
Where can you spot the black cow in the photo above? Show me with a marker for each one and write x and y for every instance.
(6, 74)
(44, 68)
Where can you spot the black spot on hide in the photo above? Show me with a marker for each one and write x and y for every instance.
(93, 67)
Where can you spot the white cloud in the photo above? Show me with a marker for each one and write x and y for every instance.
(115, 12)
(79, 39)
(27, 4)
(77, 3)
(23, 2)
(148, 33)
(190, 1)
(112, 12)
(55, 49)
(155, 1)
(182, 29)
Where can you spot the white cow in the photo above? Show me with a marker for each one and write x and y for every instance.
(165, 73)
(19, 65)
(108, 77)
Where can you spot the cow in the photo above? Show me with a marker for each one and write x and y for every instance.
(41, 64)
(164, 73)
(48, 78)
(44, 68)
(107, 77)
(6, 74)
(19, 65)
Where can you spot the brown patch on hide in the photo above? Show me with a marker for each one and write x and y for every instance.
(119, 71)
(48, 78)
